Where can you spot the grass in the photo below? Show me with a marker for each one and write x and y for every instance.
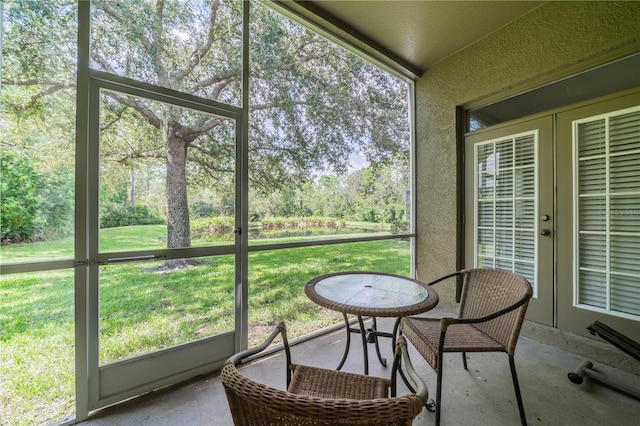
(145, 308)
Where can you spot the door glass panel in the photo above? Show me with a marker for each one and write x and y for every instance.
(624, 174)
(37, 350)
(594, 178)
(622, 286)
(607, 189)
(192, 46)
(146, 306)
(593, 289)
(506, 196)
(166, 175)
(593, 250)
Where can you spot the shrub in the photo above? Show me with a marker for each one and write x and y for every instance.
(18, 199)
(213, 228)
(201, 209)
(115, 215)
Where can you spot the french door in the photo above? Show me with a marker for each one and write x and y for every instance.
(599, 197)
(509, 206)
(557, 200)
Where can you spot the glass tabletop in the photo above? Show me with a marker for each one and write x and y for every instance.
(371, 294)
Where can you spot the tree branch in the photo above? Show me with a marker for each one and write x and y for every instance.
(151, 117)
(149, 45)
(201, 52)
(226, 78)
(54, 86)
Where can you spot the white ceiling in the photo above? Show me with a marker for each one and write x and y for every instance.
(423, 32)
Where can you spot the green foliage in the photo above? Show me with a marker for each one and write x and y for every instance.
(114, 215)
(201, 209)
(18, 198)
(54, 217)
(213, 228)
(301, 222)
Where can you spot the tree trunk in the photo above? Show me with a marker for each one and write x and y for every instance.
(178, 226)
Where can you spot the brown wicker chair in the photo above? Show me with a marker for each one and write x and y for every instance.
(492, 308)
(318, 396)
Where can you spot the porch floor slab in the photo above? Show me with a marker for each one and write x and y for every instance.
(482, 395)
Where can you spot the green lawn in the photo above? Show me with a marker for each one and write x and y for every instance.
(144, 308)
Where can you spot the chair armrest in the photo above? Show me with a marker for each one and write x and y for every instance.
(446, 322)
(402, 352)
(280, 329)
(437, 280)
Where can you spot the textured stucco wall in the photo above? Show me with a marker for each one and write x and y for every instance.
(534, 48)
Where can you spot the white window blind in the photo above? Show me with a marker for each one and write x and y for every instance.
(505, 204)
(607, 212)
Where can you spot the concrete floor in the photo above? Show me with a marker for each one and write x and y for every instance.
(482, 395)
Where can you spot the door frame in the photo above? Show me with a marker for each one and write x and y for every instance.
(101, 385)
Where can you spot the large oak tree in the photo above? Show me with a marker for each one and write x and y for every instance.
(312, 104)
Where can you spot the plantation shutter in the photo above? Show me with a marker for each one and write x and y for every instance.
(505, 204)
(607, 189)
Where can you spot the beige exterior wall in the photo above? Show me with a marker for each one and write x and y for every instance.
(554, 41)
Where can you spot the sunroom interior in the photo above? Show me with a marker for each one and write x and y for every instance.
(530, 93)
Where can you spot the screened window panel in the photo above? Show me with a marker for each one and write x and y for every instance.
(505, 204)
(607, 191)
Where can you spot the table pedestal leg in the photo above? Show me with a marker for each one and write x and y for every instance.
(365, 351)
(372, 337)
(348, 344)
(368, 336)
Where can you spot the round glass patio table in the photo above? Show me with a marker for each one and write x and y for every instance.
(373, 294)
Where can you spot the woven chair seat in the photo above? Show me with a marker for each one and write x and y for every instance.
(322, 383)
(424, 333)
(317, 396)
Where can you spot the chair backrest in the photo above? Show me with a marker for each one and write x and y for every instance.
(486, 291)
(255, 404)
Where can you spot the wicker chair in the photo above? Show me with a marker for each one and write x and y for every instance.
(318, 396)
(492, 308)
